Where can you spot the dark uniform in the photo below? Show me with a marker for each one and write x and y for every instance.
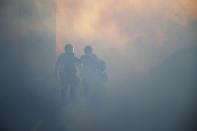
(89, 63)
(66, 66)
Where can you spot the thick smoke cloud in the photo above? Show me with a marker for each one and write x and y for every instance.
(150, 51)
(139, 40)
(119, 21)
(150, 29)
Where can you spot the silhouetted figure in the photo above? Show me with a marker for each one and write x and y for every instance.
(66, 67)
(89, 64)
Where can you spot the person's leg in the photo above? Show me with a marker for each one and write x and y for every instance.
(85, 89)
(98, 93)
(73, 89)
(73, 95)
(64, 91)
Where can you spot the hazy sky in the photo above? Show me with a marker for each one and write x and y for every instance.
(114, 27)
(118, 21)
(132, 36)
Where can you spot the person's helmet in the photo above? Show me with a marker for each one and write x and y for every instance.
(68, 48)
(88, 49)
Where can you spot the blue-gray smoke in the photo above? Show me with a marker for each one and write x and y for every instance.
(164, 99)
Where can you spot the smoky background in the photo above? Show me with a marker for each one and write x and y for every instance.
(151, 65)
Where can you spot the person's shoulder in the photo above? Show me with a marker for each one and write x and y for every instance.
(94, 56)
(82, 57)
(61, 56)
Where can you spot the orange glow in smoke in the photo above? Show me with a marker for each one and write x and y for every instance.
(118, 21)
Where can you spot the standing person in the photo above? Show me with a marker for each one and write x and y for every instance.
(66, 69)
(89, 64)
